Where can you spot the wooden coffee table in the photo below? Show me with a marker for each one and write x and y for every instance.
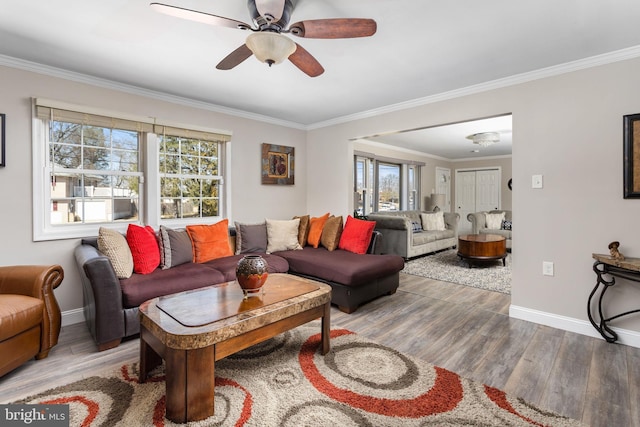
(191, 330)
(482, 247)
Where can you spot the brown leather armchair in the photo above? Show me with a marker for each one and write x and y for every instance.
(29, 313)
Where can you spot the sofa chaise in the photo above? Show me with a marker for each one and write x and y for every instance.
(111, 303)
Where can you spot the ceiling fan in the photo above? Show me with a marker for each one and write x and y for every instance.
(271, 20)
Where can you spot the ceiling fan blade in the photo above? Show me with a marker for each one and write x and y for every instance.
(270, 7)
(306, 62)
(194, 15)
(235, 58)
(340, 28)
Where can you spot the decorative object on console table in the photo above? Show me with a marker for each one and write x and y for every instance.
(278, 164)
(251, 274)
(632, 156)
(629, 269)
(3, 118)
(615, 252)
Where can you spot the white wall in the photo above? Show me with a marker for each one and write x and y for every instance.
(568, 128)
(250, 201)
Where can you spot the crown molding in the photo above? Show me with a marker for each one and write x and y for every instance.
(580, 64)
(47, 70)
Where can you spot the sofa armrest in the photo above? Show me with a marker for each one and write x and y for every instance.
(391, 222)
(37, 281)
(478, 221)
(102, 295)
(451, 220)
(376, 239)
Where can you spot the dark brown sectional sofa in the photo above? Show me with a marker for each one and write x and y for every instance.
(111, 304)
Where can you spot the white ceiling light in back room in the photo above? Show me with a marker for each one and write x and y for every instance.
(485, 139)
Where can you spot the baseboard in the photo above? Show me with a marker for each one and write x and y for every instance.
(71, 317)
(584, 327)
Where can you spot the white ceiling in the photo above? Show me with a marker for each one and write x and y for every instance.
(421, 49)
(451, 141)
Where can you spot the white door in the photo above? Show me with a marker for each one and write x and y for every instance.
(487, 190)
(443, 186)
(465, 198)
(476, 190)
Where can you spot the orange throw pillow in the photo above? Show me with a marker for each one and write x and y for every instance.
(316, 224)
(210, 241)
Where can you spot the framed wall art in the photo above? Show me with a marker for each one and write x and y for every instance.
(278, 164)
(2, 152)
(632, 156)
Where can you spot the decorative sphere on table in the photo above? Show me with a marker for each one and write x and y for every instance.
(251, 273)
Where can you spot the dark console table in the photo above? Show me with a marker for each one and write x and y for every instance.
(629, 269)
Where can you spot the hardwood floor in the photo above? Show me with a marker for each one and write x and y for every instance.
(463, 329)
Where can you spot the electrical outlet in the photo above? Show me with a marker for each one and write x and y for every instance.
(547, 268)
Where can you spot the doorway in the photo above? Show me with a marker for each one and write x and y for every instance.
(476, 190)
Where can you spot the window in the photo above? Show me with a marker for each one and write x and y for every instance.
(384, 184)
(96, 169)
(94, 173)
(363, 203)
(189, 178)
(388, 187)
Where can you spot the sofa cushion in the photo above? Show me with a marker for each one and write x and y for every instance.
(341, 266)
(494, 220)
(504, 233)
(142, 287)
(19, 313)
(433, 221)
(227, 265)
(331, 232)
(303, 229)
(144, 248)
(115, 247)
(251, 238)
(210, 241)
(507, 224)
(175, 247)
(316, 224)
(356, 235)
(282, 235)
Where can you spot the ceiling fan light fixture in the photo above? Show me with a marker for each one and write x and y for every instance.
(485, 139)
(269, 47)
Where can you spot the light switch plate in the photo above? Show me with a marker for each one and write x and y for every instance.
(536, 181)
(547, 268)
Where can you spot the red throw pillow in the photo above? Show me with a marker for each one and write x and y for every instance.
(356, 235)
(144, 248)
(210, 241)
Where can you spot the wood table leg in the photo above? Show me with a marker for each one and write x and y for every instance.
(149, 358)
(190, 384)
(326, 329)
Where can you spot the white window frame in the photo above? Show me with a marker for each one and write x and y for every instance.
(149, 201)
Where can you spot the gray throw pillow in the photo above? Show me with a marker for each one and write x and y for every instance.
(251, 238)
(176, 247)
